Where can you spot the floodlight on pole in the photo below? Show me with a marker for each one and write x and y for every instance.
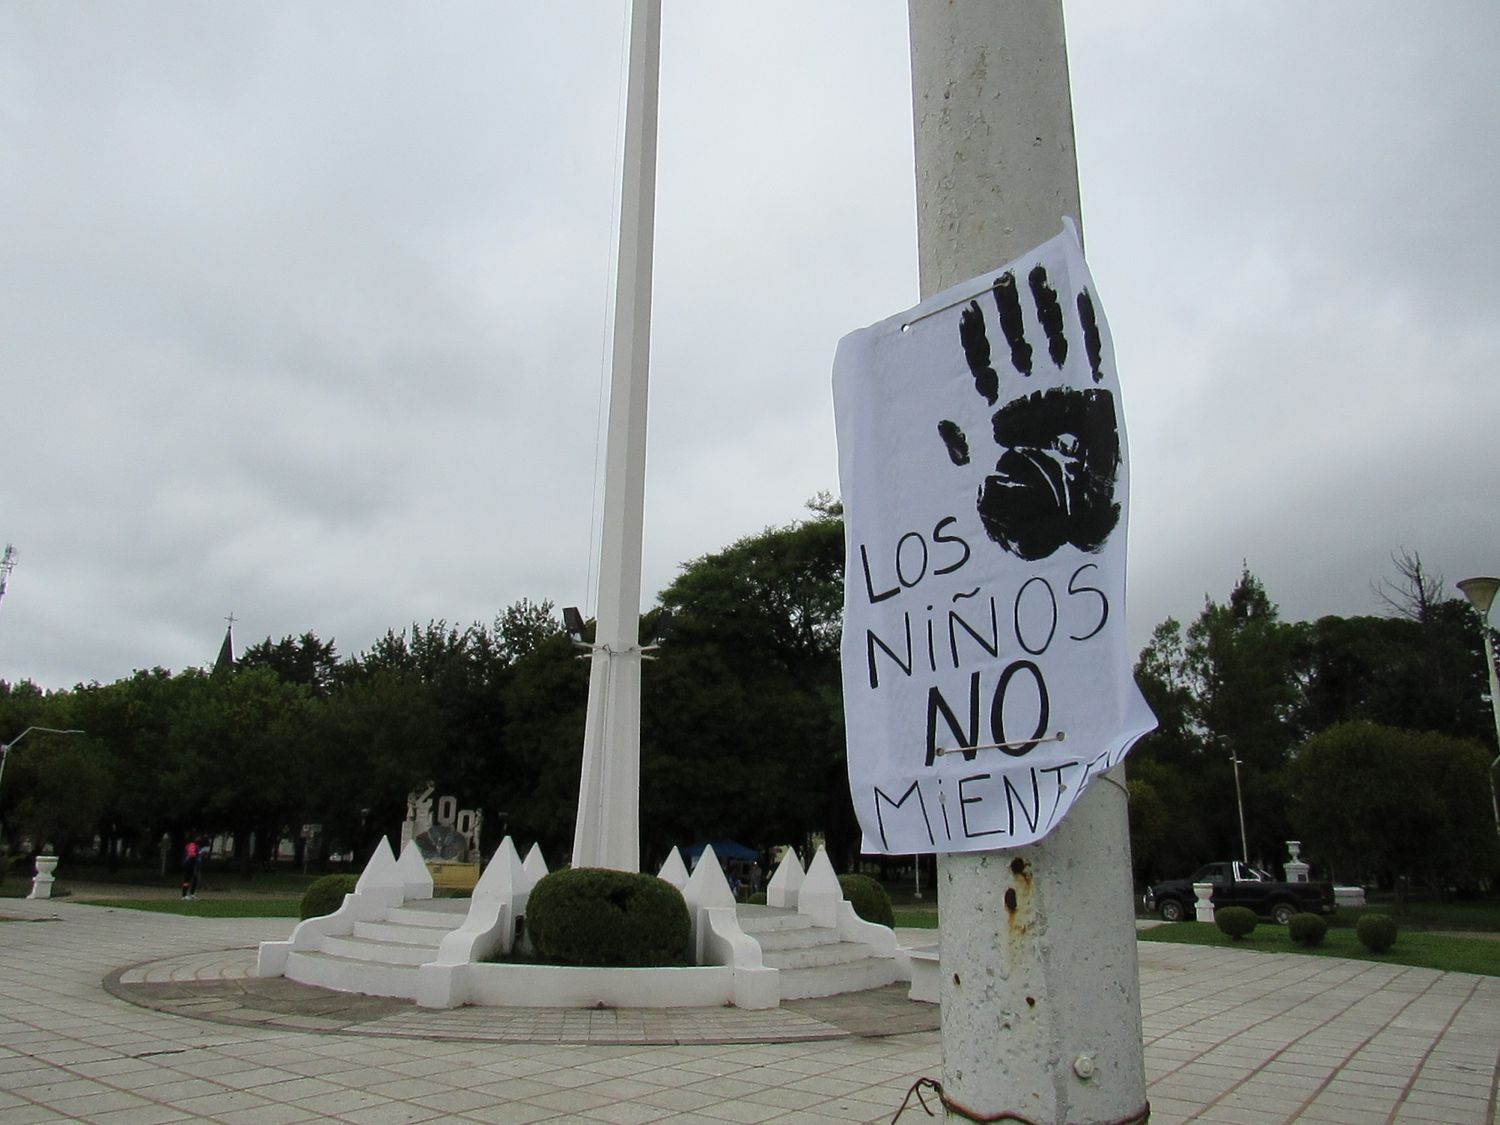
(1481, 595)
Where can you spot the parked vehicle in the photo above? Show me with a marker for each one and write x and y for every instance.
(1238, 884)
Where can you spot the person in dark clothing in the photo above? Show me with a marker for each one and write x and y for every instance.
(190, 870)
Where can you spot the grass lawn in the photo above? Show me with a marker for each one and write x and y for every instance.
(917, 918)
(1476, 915)
(257, 906)
(1424, 950)
(217, 876)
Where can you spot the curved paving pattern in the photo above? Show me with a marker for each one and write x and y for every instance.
(221, 986)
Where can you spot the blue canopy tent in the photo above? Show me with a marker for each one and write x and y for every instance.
(724, 849)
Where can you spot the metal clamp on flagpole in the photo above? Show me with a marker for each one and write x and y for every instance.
(1060, 736)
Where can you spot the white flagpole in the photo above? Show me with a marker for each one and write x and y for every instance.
(607, 833)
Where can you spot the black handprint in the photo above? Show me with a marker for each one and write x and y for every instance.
(1054, 482)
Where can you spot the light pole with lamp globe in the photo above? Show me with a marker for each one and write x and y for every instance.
(1481, 595)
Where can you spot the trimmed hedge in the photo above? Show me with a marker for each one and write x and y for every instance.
(869, 899)
(1376, 932)
(1236, 921)
(1307, 929)
(326, 895)
(594, 916)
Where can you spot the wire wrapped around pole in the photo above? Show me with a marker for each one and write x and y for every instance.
(960, 1110)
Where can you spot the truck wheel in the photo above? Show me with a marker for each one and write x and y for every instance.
(1282, 913)
(1171, 910)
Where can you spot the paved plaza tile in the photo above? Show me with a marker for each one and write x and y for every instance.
(124, 1016)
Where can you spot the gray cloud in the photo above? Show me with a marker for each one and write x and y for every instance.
(303, 310)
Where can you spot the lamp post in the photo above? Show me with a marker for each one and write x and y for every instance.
(1239, 800)
(5, 747)
(1481, 595)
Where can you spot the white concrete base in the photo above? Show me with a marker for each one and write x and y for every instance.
(390, 938)
(921, 968)
(1349, 896)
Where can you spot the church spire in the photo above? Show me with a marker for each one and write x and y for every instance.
(225, 660)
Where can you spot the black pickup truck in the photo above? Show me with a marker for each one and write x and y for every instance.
(1239, 884)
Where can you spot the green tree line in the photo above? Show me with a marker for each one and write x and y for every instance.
(742, 730)
(1368, 738)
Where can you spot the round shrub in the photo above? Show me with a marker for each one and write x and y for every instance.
(1236, 921)
(1307, 929)
(594, 916)
(1376, 932)
(326, 895)
(757, 899)
(868, 898)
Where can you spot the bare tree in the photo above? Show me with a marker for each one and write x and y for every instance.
(1414, 591)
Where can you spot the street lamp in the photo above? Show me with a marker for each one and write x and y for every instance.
(5, 747)
(1481, 594)
(1239, 800)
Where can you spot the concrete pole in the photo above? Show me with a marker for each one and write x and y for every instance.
(1041, 1007)
(607, 833)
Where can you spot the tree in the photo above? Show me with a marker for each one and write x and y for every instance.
(130, 720)
(544, 702)
(1227, 688)
(1240, 662)
(239, 746)
(1408, 806)
(376, 739)
(303, 660)
(1161, 673)
(743, 717)
(1414, 591)
(63, 786)
(522, 626)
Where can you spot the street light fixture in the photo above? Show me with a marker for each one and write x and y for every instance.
(5, 747)
(1481, 595)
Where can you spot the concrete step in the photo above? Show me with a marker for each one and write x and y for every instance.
(805, 938)
(404, 933)
(349, 974)
(765, 919)
(825, 955)
(448, 912)
(379, 952)
(834, 980)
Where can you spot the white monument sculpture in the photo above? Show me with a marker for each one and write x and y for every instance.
(451, 835)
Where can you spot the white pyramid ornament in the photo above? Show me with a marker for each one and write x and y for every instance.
(674, 871)
(820, 893)
(535, 865)
(416, 879)
(786, 882)
(381, 871)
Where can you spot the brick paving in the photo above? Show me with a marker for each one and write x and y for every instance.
(129, 1017)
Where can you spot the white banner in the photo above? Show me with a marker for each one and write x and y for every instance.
(985, 483)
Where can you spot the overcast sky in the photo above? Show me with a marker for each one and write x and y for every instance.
(303, 308)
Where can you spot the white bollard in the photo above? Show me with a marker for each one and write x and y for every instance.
(41, 885)
(1204, 907)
